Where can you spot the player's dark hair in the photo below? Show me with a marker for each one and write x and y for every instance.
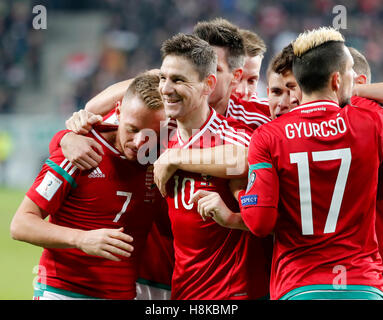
(145, 86)
(313, 68)
(221, 33)
(253, 43)
(196, 50)
(361, 65)
(282, 62)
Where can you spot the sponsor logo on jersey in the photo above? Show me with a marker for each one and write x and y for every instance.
(96, 173)
(49, 186)
(249, 200)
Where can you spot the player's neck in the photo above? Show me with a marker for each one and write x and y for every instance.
(189, 124)
(221, 106)
(320, 95)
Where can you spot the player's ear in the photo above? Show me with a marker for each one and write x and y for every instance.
(118, 110)
(361, 79)
(335, 81)
(210, 82)
(237, 77)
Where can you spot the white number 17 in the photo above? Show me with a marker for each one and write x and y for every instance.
(302, 161)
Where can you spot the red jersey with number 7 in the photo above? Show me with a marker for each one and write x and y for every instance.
(113, 195)
(318, 164)
(211, 262)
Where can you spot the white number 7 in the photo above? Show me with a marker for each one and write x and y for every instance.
(128, 196)
(301, 159)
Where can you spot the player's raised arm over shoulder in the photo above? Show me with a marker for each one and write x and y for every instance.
(105, 101)
(373, 91)
(224, 161)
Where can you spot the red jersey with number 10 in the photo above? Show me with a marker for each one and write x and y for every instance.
(318, 164)
(113, 195)
(211, 262)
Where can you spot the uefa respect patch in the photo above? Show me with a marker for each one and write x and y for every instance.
(249, 200)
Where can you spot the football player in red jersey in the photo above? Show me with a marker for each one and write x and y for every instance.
(305, 171)
(254, 51)
(229, 38)
(95, 217)
(211, 262)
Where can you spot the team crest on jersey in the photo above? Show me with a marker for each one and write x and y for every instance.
(206, 180)
(149, 178)
(49, 186)
(252, 177)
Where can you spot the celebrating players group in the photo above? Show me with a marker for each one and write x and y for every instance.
(183, 184)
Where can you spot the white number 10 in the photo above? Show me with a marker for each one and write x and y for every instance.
(302, 161)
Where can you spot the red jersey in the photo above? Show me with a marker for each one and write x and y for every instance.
(110, 196)
(310, 164)
(211, 262)
(262, 104)
(248, 112)
(156, 266)
(372, 105)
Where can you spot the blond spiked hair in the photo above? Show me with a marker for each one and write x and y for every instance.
(314, 38)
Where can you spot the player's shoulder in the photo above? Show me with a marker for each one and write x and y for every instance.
(365, 103)
(251, 105)
(233, 123)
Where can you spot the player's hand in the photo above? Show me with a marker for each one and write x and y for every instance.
(83, 152)
(211, 205)
(81, 122)
(106, 243)
(164, 168)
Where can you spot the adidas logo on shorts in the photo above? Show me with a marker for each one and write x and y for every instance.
(96, 173)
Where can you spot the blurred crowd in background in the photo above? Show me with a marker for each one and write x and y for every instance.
(136, 29)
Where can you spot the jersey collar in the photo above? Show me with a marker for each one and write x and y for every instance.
(316, 103)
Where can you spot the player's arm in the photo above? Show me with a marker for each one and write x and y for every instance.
(84, 152)
(104, 102)
(211, 205)
(373, 91)
(259, 203)
(28, 225)
(224, 161)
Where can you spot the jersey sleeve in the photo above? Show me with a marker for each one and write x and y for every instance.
(55, 142)
(55, 180)
(263, 184)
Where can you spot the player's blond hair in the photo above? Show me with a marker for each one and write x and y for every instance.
(145, 86)
(314, 38)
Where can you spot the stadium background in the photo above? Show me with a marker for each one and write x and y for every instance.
(47, 74)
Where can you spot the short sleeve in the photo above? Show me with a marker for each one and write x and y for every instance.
(52, 185)
(263, 184)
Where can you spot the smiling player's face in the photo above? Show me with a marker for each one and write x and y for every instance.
(181, 89)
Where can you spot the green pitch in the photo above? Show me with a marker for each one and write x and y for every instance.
(18, 259)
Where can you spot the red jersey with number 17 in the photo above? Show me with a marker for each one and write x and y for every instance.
(113, 195)
(318, 164)
(210, 260)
